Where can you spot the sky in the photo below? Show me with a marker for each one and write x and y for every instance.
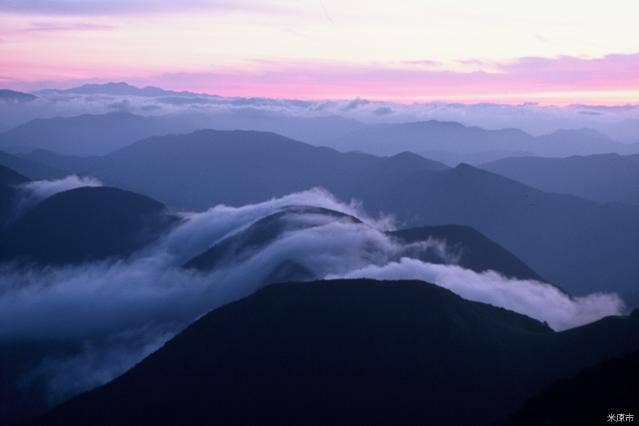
(547, 51)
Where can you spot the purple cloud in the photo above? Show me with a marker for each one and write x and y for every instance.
(117, 7)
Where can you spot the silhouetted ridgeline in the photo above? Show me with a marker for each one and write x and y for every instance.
(348, 352)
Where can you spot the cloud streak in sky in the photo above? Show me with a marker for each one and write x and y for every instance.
(118, 7)
(609, 79)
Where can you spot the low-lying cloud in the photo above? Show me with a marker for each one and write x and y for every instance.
(284, 115)
(99, 302)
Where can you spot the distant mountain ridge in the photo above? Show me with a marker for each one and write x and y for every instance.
(439, 139)
(449, 142)
(124, 89)
(13, 96)
(87, 134)
(603, 178)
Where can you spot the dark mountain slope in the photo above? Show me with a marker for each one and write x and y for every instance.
(84, 224)
(475, 251)
(8, 180)
(589, 398)
(346, 352)
(10, 177)
(603, 178)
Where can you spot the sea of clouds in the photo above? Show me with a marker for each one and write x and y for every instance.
(120, 310)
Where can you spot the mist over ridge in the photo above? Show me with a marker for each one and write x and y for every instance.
(122, 309)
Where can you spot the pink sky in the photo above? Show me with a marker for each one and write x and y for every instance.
(421, 51)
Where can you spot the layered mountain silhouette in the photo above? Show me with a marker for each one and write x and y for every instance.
(348, 352)
(83, 224)
(581, 245)
(86, 134)
(97, 134)
(604, 178)
(449, 142)
(12, 96)
(94, 223)
(121, 89)
(453, 141)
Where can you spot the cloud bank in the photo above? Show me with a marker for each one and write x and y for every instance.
(286, 116)
(105, 304)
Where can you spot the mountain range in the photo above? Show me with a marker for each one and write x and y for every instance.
(581, 245)
(72, 230)
(449, 142)
(314, 262)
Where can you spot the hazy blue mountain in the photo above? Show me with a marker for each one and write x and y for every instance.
(453, 159)
(604, 177)
(448, 136)
(204, 168)
(590, 397)
(457, 142)
(562, 143)
(85, 134)
(12, 96)
(577, 244)
(122, 89)
(626, 131)
(84, 224)
(97, 134)
(348, 352)
(33, 169)
(314, 130)
(580, 245)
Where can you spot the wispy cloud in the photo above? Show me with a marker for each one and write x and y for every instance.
(117, 7)
(67, 26)
(563, 79)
